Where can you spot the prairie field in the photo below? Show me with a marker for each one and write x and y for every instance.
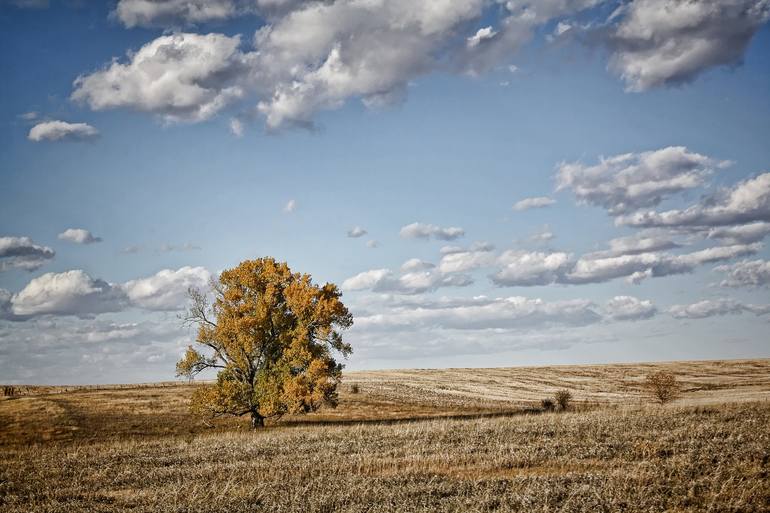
(407, 440)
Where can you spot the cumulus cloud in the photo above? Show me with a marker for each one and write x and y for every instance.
(356, 232)
(168, 248)
(670, 42)
(164, 13)
(460, 260)
(372, 244)
(629, 308)
(481, 35)
(637, 267)
(747, 273)
(100, 350)
(509, 313)
(167, 289)
(417, 278)
(236, 127)
(741, 234)
(536, 202)
(628, 182)
(181, 77)
(746, 202)
(76, 293)
(290, 206)
(68, 293)
(415, 264)
(310, 56)
(62, 131)
(181, 13)
(524, 268)
(636, 244)
(23, 253)
(427, 231)
(716, 307)
(79, 236)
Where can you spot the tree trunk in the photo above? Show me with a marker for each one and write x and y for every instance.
(257, 420)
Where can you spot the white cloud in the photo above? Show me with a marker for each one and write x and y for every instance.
(67, 293)
(415, 264)
(747, 273)
(371, 244)
(356, 232)
(412, 281)
(290, 206)
(481, 35)
(482, 313)
(75, 293)
(746, 202)
(164, 13)
(426, 231)
(628, 182)
(23, 253)
(637, 267)
(168, 248)
(523, 268)
(181, 13)
(236, 127)
(741, 234)
(182, 77)
(167, 289)
(716, 307)
(670, 42)
(636, 244)
(628, 308)
(62, 131)
(542, 236)
(536, 202)
(79, 236)
(466, 260)
(367, 279)
(310, 56)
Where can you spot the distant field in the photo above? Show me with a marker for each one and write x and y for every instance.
(49, 413)
(410, 440)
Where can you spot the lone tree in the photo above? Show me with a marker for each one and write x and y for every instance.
(662, 386)
(270, 334)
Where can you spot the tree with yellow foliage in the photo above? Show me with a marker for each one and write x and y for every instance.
(270, 334)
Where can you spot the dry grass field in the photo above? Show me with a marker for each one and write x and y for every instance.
(413, 440)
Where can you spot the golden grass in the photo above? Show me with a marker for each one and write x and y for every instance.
(400, 445)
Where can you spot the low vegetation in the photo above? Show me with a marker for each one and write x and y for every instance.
(662, 386)
(404, 447)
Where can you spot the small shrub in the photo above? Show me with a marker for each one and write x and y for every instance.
(562, 398)
(354, 388)
(547, 405)
(662, 386)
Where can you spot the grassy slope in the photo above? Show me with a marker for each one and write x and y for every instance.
(615, 455)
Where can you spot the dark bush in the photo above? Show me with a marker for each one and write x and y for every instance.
(547, 405)
(562, 398)
(354, 388)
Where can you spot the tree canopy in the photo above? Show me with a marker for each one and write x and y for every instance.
(272, 335)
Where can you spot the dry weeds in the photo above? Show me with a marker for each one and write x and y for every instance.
(137, 449)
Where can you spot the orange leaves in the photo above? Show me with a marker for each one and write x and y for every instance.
(274, 334)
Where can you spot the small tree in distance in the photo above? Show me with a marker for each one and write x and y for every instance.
(662, 386)
(270, 334)
(562, 398)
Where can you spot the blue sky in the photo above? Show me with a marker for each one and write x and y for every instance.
(170, 149)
